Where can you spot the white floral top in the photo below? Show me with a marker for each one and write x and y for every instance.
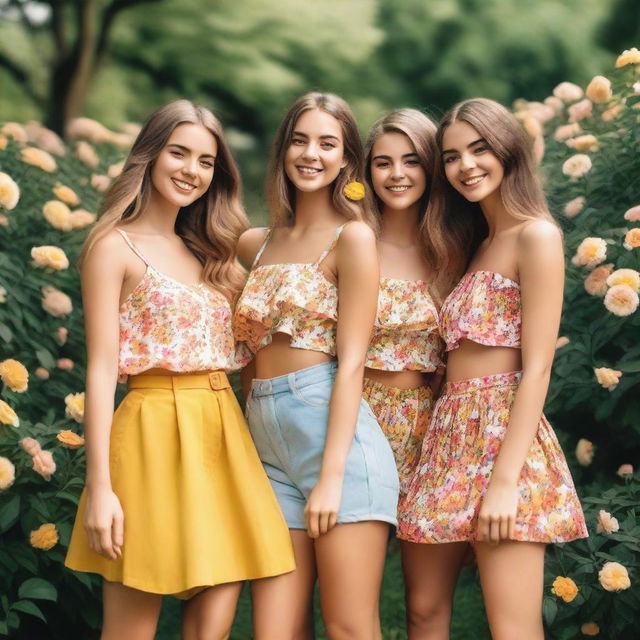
(405, 335)
(167, 324)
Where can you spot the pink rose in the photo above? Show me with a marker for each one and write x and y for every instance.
(633, 214)
(625, 470)
(44, 464)
(42, 373)
(31, 446)
(580, 110)
(65, 364)
(61, 335)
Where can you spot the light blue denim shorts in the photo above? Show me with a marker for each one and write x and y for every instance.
(288, 418)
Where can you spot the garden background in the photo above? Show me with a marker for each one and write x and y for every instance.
(64, 61)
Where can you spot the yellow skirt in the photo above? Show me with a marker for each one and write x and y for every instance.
(198, 507)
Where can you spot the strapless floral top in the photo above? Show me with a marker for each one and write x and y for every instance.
(167, 324)
(292, 298)
(484, 307)
(405, 335)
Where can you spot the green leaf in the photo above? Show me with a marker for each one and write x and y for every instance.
(26, 606)
(549, 610)
(45, 358)
(38, 589)
(9, 513)
(5, 333)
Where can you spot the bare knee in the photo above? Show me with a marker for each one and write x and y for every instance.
(429, 616)
(348, 630)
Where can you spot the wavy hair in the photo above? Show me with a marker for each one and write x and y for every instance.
(421, 131)
(454, 226)
(211, 225)
(281, 193)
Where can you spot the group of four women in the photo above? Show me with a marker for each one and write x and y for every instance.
(341, 326)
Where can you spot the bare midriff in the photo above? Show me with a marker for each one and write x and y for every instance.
(398, 379)
(473, 360)
(279, 358)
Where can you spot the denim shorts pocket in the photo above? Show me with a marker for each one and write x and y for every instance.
(317, 394)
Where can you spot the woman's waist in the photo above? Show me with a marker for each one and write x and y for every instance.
(473, 360)
(398, 379)
(283, 356)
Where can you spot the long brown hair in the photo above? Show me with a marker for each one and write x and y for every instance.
(281, 194)
(211, 225)
(454, 226)
(421, 131)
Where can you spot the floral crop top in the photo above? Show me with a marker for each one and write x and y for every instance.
(170, 325)
(405, 335)
(484, 307)
(292, 298)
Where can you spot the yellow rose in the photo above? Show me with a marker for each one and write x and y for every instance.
(81, 218)
(590, 252)
(599, 90)
(44, 537)
(584, 452)
(606, 523)
(49, 256)
(67, 195)
(8, 415)
(574, 207)
(595, 283)
(630, 277)
(75, 406)
(57, 214)
(56, 302)
(583, 143)
(614, 577)
(38, 158)
(15, 131)
(87, 154)
(590, 629)
(70, 439)
(564, 588)
(632, 239)
(15, 375)
(354, 191)
(577, 166)
(7, 473)
(621, 300)
(9, 192)
(568, 92)
(628, 56)
(607, 378)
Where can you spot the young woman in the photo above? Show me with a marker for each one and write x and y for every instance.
(306, 313)
(491, 471)
(176, 500)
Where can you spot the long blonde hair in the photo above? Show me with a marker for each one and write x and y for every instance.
(281, 194)
(211, 225)
(421, 131)
(454, 226)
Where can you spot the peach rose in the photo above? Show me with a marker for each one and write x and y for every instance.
(44, 537)
(3, 295)
(115, 169)
(580, 110)
(64, 364)
(574, 207)
(42, 373)
(562, 341)
(625, 470)
(606, 523)
(7, 473)
(607, 378)
(70, 439)
(611, 113)
(595, 283)
(100, 182)
(3, 143)
(57, 214)
(564, 588)
(628, 56)
(629, 277)
(38, 158)
(632, 239)
(31, 446)
(621, 300)
(584, 452)
(45, 138)
(614, 577)
(8, 415)
(67, 195)
(81, 218)
(567, 131)
(590, 252)
(531, 125)
(55, 302)
(4, 221)
(44, 464)
(87, 154)
(577, 166)
(9, 192)
(583, 143)
(599, 90)
(75, 406)
(50, 256)
(88, 128)
(62, 333)
(15, 131)
(568, 92)
(589, 629)
(555, 103)
(633, 214)
(14, 375)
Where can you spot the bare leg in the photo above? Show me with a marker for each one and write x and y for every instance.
(129, 613)
(350, 561)
(283, 605)
(430, 575)
(512, 578)
(209, 615)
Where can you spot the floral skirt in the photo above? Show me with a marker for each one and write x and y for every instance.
(466, 431)
(403, 416)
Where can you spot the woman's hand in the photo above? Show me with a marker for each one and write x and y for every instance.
(323, 505)
(497, 517)
(104, 523)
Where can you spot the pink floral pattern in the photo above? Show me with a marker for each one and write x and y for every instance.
(465, 435)
(405, 335)
(167, 324)
(484, 307)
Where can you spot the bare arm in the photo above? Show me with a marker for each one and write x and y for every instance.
(100, 294)
(541, 268)
(358, 274)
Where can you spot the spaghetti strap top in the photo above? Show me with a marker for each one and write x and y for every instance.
(167, 324)
(292, 298)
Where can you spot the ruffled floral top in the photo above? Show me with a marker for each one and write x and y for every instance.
(484, 307)
(405, 335)
(167, 324)
(292, 298)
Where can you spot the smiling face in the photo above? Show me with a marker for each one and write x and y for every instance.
(470, 165)
(397, 176)
(183, 170)
(315, 153)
